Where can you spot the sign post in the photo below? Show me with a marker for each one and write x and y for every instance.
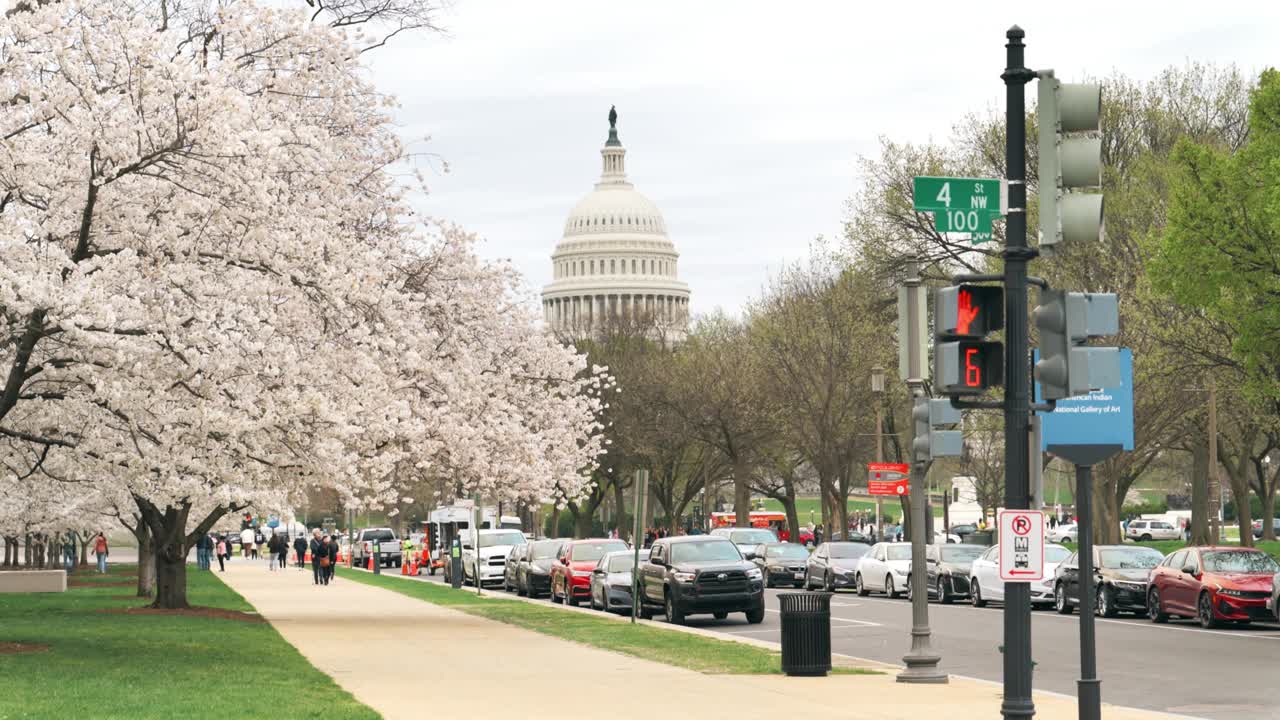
(888, 478)
(1021, 545)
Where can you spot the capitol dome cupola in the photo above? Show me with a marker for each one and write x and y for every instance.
(615, 259)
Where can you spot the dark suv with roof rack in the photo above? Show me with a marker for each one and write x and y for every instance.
(700, 574)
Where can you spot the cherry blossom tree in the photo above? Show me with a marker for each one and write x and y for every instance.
(212, 295)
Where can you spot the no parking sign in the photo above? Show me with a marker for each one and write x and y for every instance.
(1021, 545)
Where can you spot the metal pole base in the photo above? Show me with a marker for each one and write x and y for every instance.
(921, 661)
(1090, 698)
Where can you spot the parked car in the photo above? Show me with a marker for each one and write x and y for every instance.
(1063, 533)
(986, 586)
(884, 569)
(1213, 584)
(491, 557)
(1120, 579)
(610, 585)
(834, 565)
(1148, 530)
(510, 571)
(571, 573)
(746, 538)
(782, 563)
(701, 574)
(533, 570)
(962, 531)
(1257, 528)
(947, 570)
(853, 536)
(388, 547)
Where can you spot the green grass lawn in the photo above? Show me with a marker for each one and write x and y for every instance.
(135, 667)
(643, 641)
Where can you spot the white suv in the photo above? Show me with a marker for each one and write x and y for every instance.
(1145, 530)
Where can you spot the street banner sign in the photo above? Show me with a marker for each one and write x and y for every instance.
(1021, 545)
(1103, 417)
(888, 478)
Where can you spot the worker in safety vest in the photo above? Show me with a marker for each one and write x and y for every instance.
(406, 551)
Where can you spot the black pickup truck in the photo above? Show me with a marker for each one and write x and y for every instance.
(700, 574)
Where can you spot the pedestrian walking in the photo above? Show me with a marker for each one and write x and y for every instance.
(101, 550)
(69, 551)
(332, 556)
(226, 542)
(300, 548)
(204, 551)
(223, 553)
(246, 543)
(271, 554)
(317, 547)
(282, 551)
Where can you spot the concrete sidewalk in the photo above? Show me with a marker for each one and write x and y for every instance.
(410, 659)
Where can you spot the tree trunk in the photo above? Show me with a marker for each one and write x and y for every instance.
(741, 493)
(554, 530)
(789, 506)
(1200, 495)
(146, 562)
(171, 578)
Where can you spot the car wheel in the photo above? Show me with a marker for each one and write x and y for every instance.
(1145, 537)
(943, 597)
(554, 597)
(1104, 605)
(756, 616)
(674, 616)
(1154, 612)
(975, 595)
(720, 615)
(1060, 600)
(828, 583)
(594, 605)
(857, 583)
(889, 589)
(522, 588)
(645, 613)
(569, 599)
(1205, 613)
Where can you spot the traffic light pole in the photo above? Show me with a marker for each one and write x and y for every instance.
(1017, 407)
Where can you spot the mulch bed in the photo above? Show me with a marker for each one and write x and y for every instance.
(17, 648)
(206, 612)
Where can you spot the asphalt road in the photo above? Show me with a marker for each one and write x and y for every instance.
(1177, 668)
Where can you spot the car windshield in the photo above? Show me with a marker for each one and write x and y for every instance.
(583, 552)
(961, 553)
(622, 563)
(545, 549)
(1129, 558)
(899, 552)
(1240, 561)
(502, 538)
(848, 551)
(787, 551)
(1056, 553)
(379, 535)
(703, 551)
(752, 537)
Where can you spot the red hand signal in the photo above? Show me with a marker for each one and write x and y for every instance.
(966, 312)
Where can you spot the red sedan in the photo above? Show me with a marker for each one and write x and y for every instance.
(1212, 585)
(571, 572)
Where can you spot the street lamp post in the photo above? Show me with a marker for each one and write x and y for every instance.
(877, 389)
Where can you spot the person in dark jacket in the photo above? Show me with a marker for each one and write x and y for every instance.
(300, 547)
(318, 575)
(333, 559)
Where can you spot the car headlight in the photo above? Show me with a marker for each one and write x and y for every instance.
(686, 577)
(1231, 591)
(754, 574)
(1124, 585)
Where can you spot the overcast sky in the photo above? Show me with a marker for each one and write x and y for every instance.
(742, 120)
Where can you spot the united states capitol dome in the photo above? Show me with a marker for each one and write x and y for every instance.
(615, 260)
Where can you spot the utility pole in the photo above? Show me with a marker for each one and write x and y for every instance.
(1017, 702)
(921, 660)
(877, 389)
(1215, 489)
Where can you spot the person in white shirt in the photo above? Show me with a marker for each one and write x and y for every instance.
(246, 542)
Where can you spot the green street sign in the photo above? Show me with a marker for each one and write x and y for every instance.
(935, 194)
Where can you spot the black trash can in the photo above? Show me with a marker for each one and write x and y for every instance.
(806, 633)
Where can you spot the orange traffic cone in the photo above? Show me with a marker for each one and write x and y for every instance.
(370, 567)
(339, 556)
(404, 569)
(413, 569)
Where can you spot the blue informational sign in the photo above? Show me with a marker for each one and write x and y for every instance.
(1103, 417)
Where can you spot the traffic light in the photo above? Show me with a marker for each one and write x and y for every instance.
(933, 439)
(965, 363)
(1068, 163)
(1066, 321)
